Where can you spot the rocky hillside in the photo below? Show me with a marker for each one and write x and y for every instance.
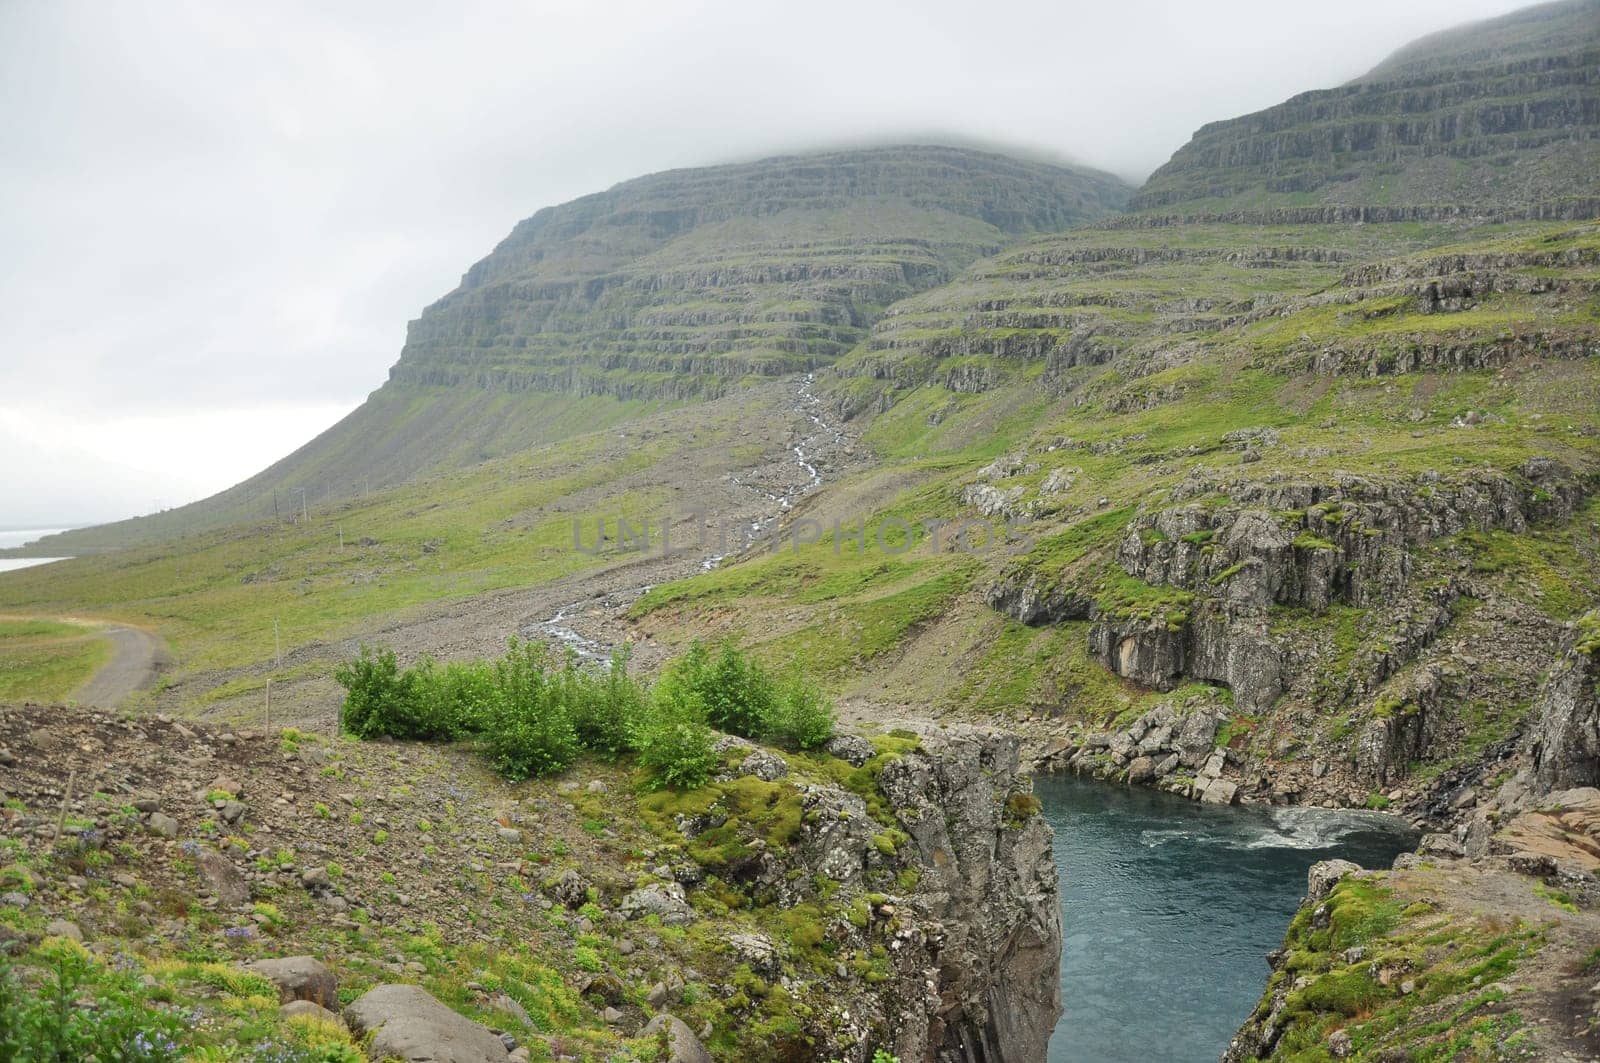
(275, 891)
(1500, 116)
(1485, 944)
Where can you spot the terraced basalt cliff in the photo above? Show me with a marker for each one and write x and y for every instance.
(1496, 116)
(682, 283)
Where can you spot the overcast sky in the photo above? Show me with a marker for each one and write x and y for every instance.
(217, 218)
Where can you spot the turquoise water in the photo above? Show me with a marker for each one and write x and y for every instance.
(1169, 909)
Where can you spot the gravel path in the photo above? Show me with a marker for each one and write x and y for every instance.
(136, 657)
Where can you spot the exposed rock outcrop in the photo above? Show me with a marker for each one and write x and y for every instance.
(1566, 729)
(989, 880)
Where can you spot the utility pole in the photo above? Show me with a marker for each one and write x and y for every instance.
(277, 644)
(269, 705)
(305, 511)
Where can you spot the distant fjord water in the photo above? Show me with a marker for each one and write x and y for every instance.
(10, 537)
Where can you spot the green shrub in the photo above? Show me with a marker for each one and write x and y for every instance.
(536, 714)
(454, 701)
(529, 730)
(379, 700)
(610, 714)
(803, 717)
(47, 1021)
(736, 691)
(676, 746)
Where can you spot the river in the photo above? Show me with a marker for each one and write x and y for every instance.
(18, 537)
(1169, 908)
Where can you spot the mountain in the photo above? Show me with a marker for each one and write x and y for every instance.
(683, 283)
(1498, 117)
(674, 287)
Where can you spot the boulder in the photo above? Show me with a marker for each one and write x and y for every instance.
(305, 1009)
(607, 988)
(162, 824)
(681, 1043)
(406, 1022)
(852, 749)
(1141, 770)
(758, 951)
(226, 784)
(663, 899)
(225, 881)
(569, 888)
(1324, 875)
(766, 766)
(62, 928)
(1441, 845)
(1220, 792)
(299, 978)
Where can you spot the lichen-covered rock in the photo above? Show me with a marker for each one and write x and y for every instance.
(764, 765)
(225, 881)
(992, 886)
(665, 900)
(1027, 599)
(1324, 875)
(1400, 732)
(1150, 652)
(681, 1043)
(853, 749)
(569, 888)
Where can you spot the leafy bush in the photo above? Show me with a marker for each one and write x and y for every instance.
(529, 730)
(803, 718)
(535, 714)
(611, 712)
(677, 746)
(378, 698)
(453, 701)
(736, 691)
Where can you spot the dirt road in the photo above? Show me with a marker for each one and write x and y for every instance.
(136, 657)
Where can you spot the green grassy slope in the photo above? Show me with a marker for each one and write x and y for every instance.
(222, 597)
(47, 659)
(400, 435)
(1289, 373)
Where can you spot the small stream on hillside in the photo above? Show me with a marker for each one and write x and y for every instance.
(558, 626)
(1169, 909)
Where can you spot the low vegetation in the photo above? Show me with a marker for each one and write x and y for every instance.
(533, 713)
(46, 660)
